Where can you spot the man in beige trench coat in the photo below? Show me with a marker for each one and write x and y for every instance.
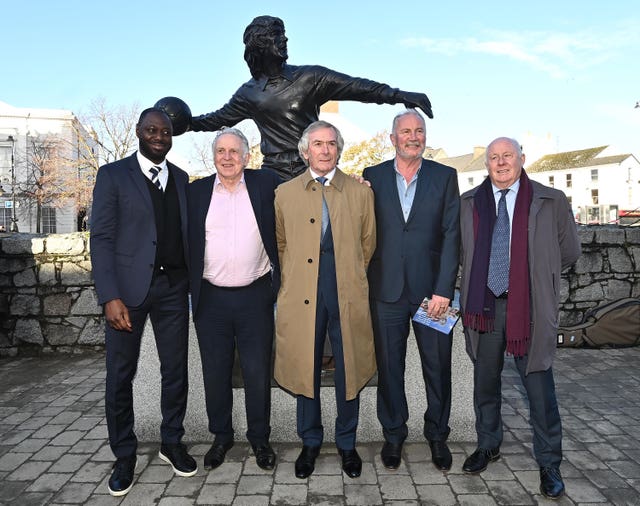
(325, 230)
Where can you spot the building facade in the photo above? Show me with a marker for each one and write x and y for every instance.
(41, 152)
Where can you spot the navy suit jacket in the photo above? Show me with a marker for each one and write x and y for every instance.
(123, 233)
(261, 185)
(420, 255)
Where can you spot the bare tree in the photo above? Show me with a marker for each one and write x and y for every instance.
(44, 178)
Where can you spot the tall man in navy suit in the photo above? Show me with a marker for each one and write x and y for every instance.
(139, 259)
(234, 279)
(417, 214)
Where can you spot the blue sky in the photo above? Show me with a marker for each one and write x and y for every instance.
(566, 73)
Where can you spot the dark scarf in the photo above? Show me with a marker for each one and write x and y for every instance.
(480, 311)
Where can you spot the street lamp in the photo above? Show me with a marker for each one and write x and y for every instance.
(14, 221)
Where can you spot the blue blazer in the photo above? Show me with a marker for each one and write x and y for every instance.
(420, 255)
(123, 234)
(261, 185)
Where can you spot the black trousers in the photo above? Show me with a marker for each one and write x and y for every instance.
(242, 317)
(391, 331)
(168, 308)
(487, 396)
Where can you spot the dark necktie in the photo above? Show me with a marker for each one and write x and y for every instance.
(498, 278)
(154, 176)
(325, 210)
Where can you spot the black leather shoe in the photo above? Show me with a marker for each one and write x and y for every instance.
(440, 455)
(351, 462)
(306, 461)
(181, 462)
(265, 456)
(121, 479)
(215, 455)
(391, 455)
(551, 484)
(479, 460)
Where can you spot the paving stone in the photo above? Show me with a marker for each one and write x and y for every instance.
(11, 489)
(185, 487)
(228, 472)
(325, 485)
(30, 445)
(216, 494)
(397, 487)
(50, 453)
(75, 493)
(28, 471)
(254, 485)
(509, 492)
(156, 474)
(11, 460)
(49, 482)
(605, 478)
(625, 468)
(68, 437)
(176, 501)
(92, 472)
(66, 417)
(622, 496)
(476, 500)
(583, 491)
(69, 463)
(436, 495)
(251, 500)
(13, 437)
(35, 498)
(362, 494)
(467, 484)
(86, 446)
(424, 474)
(48, 431)
(143, 493)
(289, 494)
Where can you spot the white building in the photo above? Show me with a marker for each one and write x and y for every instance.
(601, 187)
(25, 134)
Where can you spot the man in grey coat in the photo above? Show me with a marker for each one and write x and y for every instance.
(517, 237)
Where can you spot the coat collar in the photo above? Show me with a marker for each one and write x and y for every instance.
(337, 182)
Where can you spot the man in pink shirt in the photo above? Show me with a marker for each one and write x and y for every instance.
(234, 279)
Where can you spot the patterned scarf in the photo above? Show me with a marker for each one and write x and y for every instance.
(480, 311)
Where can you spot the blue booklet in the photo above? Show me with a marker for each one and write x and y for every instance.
(444, 324)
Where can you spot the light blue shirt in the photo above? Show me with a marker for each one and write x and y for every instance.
(406, 191)
(510, 201)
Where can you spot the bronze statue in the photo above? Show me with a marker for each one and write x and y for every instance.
(284, 99)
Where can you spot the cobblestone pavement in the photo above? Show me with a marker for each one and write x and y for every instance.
(53, 447)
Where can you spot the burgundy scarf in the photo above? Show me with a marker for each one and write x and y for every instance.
(480, 311)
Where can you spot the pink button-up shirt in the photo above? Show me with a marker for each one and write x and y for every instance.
(233, 253)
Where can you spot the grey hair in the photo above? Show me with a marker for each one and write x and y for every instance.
(404, 113)
(237, 133)
(303, 143)
(513, 142)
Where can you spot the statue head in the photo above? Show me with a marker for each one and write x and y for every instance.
(264, 44)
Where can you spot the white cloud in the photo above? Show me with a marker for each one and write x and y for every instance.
(557, 54)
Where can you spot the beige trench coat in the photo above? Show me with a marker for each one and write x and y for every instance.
(298, 206)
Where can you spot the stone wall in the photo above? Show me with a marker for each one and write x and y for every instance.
(47, 299)
(48, 303)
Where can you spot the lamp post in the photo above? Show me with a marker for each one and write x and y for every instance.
(14, 221)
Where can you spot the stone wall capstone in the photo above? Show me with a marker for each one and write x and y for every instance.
(48, 302)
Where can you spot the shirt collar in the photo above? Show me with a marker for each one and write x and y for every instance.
(515, 186)
(146, 164)
(286, 72)
(329, 176)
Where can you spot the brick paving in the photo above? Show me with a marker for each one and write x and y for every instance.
(53, 447)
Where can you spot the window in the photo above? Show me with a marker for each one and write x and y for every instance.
(551, 181)
(48, 220)
(470, 180)
(594, 175)
(569, 181)
(570, 200)
(5, 219)
(594, 197)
